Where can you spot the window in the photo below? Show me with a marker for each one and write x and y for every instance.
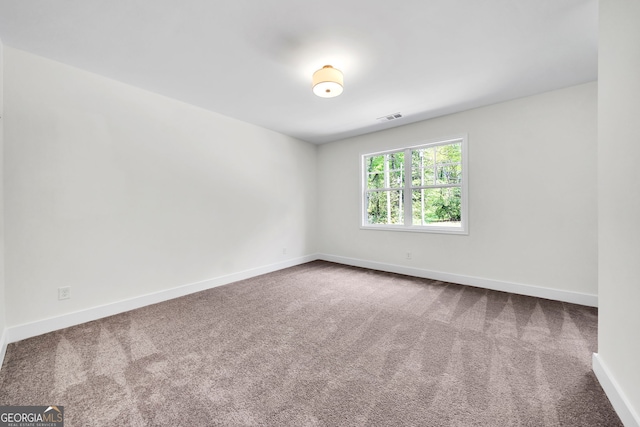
(421, 188)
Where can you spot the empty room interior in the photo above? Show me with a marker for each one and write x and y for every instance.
(330, 213)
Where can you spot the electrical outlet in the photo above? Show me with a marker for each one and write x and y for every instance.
(408, 255)
(64, 292)
(284, 251)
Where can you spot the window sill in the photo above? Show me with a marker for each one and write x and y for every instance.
(418, 229)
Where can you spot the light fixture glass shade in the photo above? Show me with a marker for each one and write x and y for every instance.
(327, 82)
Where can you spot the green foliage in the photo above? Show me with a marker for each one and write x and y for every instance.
(432, 205)
(439, 165)
(446, 206)
(385, 207)
(436, 165)
(385, 171)
(392, 177)
(431, 166)
(375, 172)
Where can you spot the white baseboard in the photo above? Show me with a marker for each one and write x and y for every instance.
(496, 285)
(618, 399)
(32, 329)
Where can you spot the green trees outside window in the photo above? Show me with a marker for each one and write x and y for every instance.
(385, 176)
(436, 179)
(428, 178)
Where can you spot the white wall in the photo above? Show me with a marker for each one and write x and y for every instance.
(619, 197)
(3, 322)
(532, 182)
(118, 192)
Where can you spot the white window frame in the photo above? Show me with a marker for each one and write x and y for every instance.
(407, 204)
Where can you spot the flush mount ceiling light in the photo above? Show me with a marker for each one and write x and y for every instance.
(327, 82)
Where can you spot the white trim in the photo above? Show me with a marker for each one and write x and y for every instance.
(463, 229)
(496, 285)
(618, 399)
(417, 228)
(39, 327)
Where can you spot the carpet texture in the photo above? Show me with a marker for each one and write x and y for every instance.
(321, 344)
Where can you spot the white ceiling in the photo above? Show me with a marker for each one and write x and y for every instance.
(253, 59)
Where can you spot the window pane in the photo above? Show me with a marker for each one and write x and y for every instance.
(436, 206)
(385, 207)
(423, 157)
(416, 174)
(422, 161)
(450, 153)
(448, 164)
(449, 173)
(396, 161)
(385, 171)
(396, 179)
(375, 180)
(428, 176)
(396, 170)
(375, 163)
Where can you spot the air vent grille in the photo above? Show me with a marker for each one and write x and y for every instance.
(389, 117)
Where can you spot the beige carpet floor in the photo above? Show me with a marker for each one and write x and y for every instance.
(321, 344)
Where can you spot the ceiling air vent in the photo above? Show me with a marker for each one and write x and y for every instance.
(389, 117)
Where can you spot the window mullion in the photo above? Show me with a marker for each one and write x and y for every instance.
(408, 205)
(386, 185)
